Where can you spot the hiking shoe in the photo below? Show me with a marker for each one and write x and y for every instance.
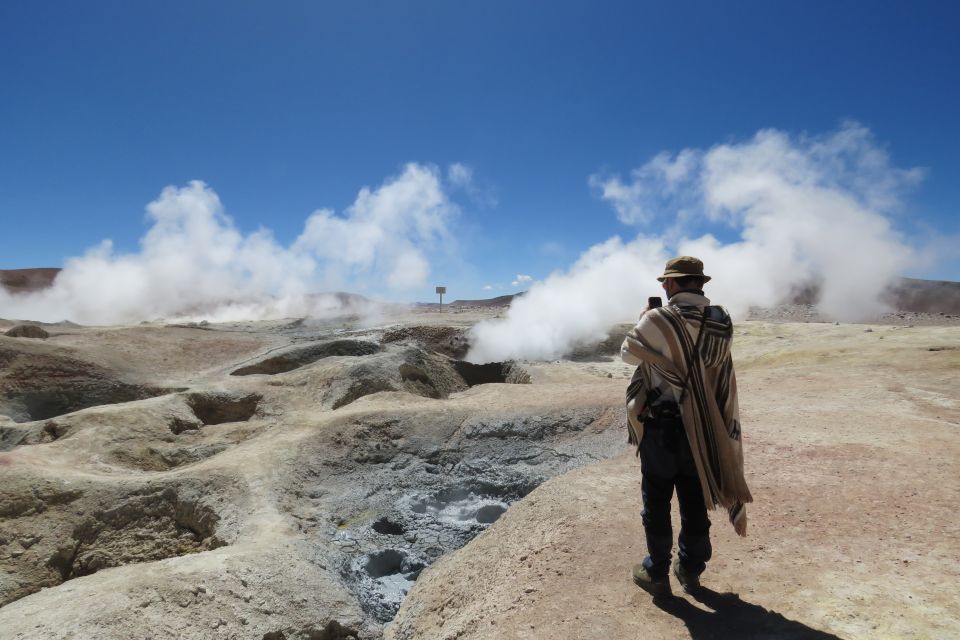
(657, 587)
(689, 582)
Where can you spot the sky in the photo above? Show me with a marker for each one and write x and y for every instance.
(388, 147)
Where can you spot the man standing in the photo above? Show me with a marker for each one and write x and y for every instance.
(683, 415)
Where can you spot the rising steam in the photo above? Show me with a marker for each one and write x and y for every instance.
(193, 262)
(807, 211)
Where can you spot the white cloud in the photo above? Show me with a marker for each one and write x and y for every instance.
(807, 210)
(639, 201)
(193, 260)
(552, 248)
(460, 175)
(385, 231)
(521, 280)
(487, 287)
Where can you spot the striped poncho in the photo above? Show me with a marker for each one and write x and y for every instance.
(663, 345)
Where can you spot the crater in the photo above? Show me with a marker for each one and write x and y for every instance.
(44, 399)
(491, 373)
(461, 506)
(40, 386)
(388, 527)
(384, 563)
(432, 523)
(147, 525)
(301, 356)
(219, 408)
(489, 513)
(384, 577)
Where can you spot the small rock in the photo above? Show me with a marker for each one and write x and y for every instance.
(27, 331)
(28, 541)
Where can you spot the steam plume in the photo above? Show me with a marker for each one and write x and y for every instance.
(804, 211)
(194, 262)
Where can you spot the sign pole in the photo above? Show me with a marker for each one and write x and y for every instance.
(441, 291)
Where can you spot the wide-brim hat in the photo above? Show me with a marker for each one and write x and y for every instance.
(682, 267)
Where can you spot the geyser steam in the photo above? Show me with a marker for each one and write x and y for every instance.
(195, 263)
(807, 211)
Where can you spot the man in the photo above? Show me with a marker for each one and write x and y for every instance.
(683, 415)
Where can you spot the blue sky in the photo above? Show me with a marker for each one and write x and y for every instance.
(284, 108)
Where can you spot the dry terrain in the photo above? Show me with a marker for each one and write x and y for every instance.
(852, 437)
(294, 479)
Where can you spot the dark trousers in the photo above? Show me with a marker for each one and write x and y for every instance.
(666, 462)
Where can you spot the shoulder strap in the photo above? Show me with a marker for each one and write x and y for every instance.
(696, 355)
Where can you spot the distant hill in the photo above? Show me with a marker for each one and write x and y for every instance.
(499, 301)
(27, 280)
(925, 296)
(904, 294)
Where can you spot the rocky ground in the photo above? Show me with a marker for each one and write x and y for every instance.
(903, 317)
(295, 479)
(260, 480)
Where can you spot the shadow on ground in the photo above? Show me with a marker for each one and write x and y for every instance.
(732, 618)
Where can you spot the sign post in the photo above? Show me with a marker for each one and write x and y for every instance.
(441, 291)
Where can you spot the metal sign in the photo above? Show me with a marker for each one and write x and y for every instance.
(441, 290)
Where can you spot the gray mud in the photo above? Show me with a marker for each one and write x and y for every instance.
(392, 503)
